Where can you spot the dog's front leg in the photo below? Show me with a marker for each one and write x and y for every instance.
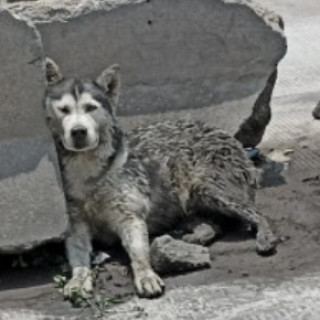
(78, 245)
(135, 239)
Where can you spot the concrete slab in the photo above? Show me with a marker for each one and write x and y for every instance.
(247, 299)
(32, 208)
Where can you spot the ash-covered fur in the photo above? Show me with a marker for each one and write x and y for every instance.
(119, 190)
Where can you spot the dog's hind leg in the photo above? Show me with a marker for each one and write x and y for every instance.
(216, 200)
(78, 245)
(135, 240)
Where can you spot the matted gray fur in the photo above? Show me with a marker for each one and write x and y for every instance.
(120, 188)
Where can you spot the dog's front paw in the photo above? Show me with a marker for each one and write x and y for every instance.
(266, 243)
(149, 284)
(79, 287)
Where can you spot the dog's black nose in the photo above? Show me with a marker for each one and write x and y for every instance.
(79, 133)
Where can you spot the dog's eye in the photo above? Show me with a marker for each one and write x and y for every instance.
(65, 110)
(90, 107)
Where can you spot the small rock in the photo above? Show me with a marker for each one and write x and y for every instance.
(169, 255)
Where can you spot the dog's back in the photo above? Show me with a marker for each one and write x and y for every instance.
(189, 151)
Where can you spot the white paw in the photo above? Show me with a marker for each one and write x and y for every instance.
(149, 284)
(79, 287)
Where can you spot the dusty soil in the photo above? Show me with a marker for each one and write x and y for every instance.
(288, 197)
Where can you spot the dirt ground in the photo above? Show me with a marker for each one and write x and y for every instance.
(288, 197)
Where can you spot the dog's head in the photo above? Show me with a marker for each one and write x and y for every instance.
(79, 112)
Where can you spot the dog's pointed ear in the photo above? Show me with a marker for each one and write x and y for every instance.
(109, 80)
(53, 73)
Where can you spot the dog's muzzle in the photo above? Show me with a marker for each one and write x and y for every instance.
(79, 137)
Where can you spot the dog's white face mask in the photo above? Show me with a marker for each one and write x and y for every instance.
(80, 129)
(78, 109)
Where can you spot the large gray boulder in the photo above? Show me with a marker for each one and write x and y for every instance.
(212, 57)
(32, 208)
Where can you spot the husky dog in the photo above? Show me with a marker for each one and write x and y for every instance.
(119, 189)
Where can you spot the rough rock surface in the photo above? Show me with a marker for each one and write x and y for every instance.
(183, 54)
(169, 255)
(32, 208)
